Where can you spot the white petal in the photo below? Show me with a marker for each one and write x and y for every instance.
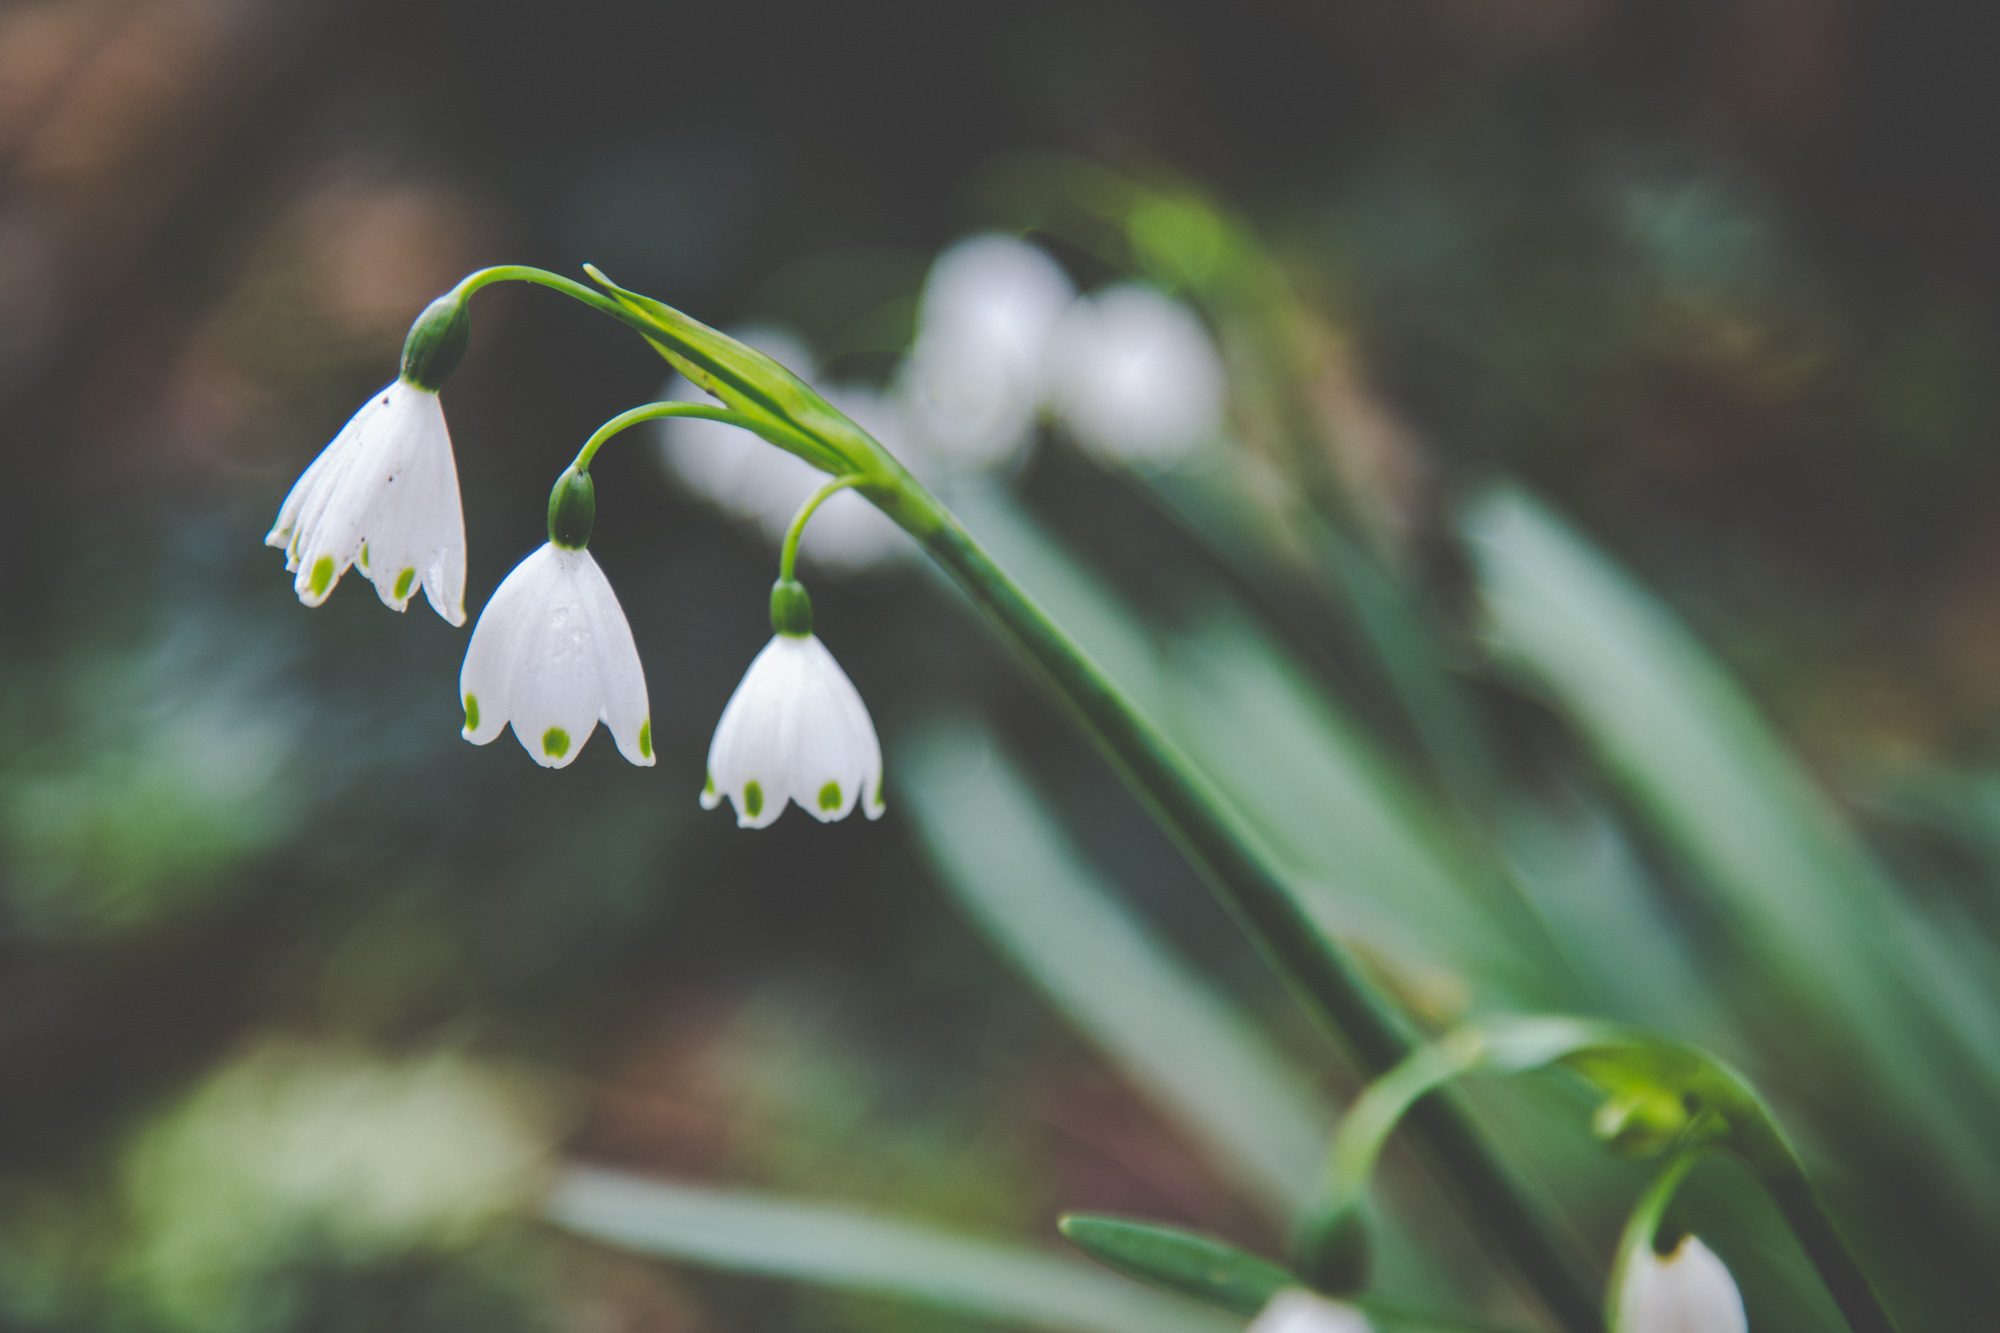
(1688, 1291)
(1296, 1310)
(415, 530)
(621, 681)
(555, 694)
(486, 682)
(795, 729)
(384, 494)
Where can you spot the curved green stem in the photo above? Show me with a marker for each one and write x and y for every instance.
(1195, 816)
(569, 287)
(788, 413)
(788, 554)
(652, 412)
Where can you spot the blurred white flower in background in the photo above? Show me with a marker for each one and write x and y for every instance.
(977, 372)
(749, 479)
(1688, 1291)
(1136, 377)
(1296, 1310)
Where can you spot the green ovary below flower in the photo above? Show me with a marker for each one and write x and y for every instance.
(795, 730)
(383, 497)
(552, 654)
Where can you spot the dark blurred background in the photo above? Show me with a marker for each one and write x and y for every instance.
(1719, 280)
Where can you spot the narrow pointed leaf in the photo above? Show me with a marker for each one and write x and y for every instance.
(1209, 1270)
(855, 1250)
(1181, 1042)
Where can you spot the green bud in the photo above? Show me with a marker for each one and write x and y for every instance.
(437, 343)
(791, 609)
(1331, 1250)
(1640, 1122)
(572, 510)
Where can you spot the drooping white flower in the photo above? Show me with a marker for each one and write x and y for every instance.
(976, 374)
(382, 497)
(1137, 378)
(552, 654)
(796, 730)
(1296, 1310)
(1688, 1291)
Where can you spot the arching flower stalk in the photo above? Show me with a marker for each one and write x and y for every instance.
(383, 496)
(795, 729)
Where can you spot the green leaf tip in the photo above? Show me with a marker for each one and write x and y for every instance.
(1201, 1267)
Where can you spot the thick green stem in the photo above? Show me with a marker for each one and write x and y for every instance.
(1192, 813)
(785, 411)
(1813, 1225)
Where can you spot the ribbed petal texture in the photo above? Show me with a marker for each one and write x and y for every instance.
(383, 496)
(795, 730)
(553, 656)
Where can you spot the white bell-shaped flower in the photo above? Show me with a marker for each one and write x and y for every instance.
(384, 497)
(976, 374)
(1137, 378)
(1296, 1310)
(1688, 1291)
(795, 730)
(552, 654)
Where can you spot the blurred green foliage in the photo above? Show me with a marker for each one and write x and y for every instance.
(1689, 724)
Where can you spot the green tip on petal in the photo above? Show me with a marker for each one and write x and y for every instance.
(829, 796)
(363, 562)
(403, 582)
(709, 788)
(472, 712)
(555, 742)
(322, 576)
(753, 799)
(646, 742)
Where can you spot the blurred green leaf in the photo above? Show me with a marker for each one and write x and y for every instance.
(1803, 896)
(1202, 1267)
(860, 1251)
(1183, 1044)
